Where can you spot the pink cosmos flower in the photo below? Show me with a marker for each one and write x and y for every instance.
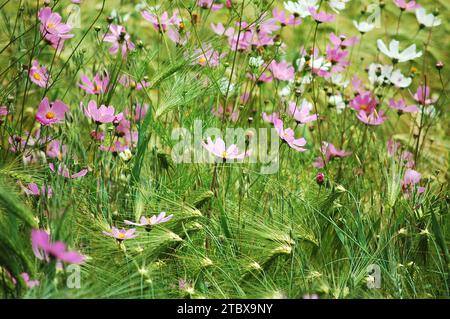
(208, 57)
(34, 190)
(64, 171)
(121, 234)
(161, 23)
(98, 85)
(422, 96)
(38, 75)
(52, 29)
(151, 221)
(322, 16)
(26, 277)
(51, 113)
(218, 149)
(364, 101)
(288, 136)
(209, 4)
(178, 36)
(282, 70)
(408, 6)
(302, 115)
(30, 283)
(264, 77)
(329, 152)
(97, 136)
(3, 113)
(229, 113)
(120, 39)
(103, 114)
(357, 85)
(410, 179)
(115, 148)
(342, 41)
(44, 249)
(127, 81)
(270, 118)
(55, 149)
(375, 118)
(281, 17)
(337, 58)
(141, 111)
(401, 106)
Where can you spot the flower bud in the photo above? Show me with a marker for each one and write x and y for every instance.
(320, 178)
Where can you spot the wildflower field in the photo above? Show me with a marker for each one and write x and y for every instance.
(224, 149)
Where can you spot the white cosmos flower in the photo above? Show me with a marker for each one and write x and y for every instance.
(379, 74)
(338, 79)
(337, 5)
(364, 26)
(225, 86)
(338, 102)
(318, 63)
(394, 53)
(285, 92)
(427, 20)
(255, 62)
(301, 7)
(399, 80)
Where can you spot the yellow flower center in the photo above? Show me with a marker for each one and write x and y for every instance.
(364, 107)
(50, 26)
(202, 60)
(50, 115)
(224, 154)
(97, 87)
(413, 69)
(121, 236)
(37, 76)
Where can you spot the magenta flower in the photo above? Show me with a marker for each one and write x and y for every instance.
(408, 6)
(401, 106)
(103, 114)
(422, 96)
(26, 277)
(34, 190)
(337, 58)
(329, 152)
(322, 16)
(232, 115)
(28, 281)
(288, 136)
(98, 85)
(44, 249)
(64, 171)
(302, 115)
(120, 39)
(270, 118)
(218, 149)
(282, 70)
(52, 29)
(3, 113)
(121, 234)
(208, 57)
(55, 149)
(38, 75)
(284, 19)
(342, 41)
(364, 101)
(126, 81)
(51, 113)
(209, 4)
(151, 221)
(375, 118)
(410, 179)
(161, 23)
